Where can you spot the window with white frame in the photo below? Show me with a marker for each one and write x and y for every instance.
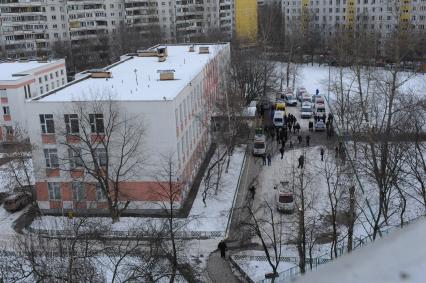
(51, 157)
(71, 123)
(3, 93)
(97, 123)
(74, 155)
(47, 124)
(78, 191)
(101, 156)
(54, 189)
(100, 195)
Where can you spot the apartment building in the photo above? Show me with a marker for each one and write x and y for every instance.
(30, 28)
(171, 95)
(23, 80)
(381, 16)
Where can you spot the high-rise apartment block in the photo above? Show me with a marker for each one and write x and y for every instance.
(30, 27)
(327, 16)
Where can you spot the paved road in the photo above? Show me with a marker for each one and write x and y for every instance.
(219, 269)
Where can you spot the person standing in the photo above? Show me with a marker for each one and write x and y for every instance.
(263, 160)
(252, 190)
(322, 154)
(311, 126)
(299, 138)
(301, 161)
(269, 159)
(308, 138)
(282, 151)
(222, 247)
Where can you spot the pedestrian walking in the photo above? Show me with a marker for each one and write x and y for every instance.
(324, 117)
(311, 126)
(252, 190)
(337, 151)
(308, 138)
(301, 161)
(222, 247)
(264, 159)
(291, 144)
(322, 154)
(282, 151)
(299, 138)
(296, 127)
(269, 159)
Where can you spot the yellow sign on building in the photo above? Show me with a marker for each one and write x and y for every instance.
(246, 20)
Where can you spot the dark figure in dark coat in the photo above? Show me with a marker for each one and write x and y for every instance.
(222, 247)
(308, 138)
(264, 160)
(311, 126)
(322, 154)
(252, 190)
(301, 161)
(299, 138)
(282, 152)
(324, 117)
(269, 159)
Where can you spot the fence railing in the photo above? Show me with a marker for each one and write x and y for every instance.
(69, 234)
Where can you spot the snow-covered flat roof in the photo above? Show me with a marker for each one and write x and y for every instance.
(137, 78)
(11, 71)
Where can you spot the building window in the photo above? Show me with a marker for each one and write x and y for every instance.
(51, 157)
(45, 78)
(71, 123)
(6, 110)
(39, 80)
(62, 72)
(78, 191)
(47, 87)
(74, 155)
(63, 81)
(101, 156)
(9, 130)
(56, 74)
(41, 90)
(54, 189)
(100, 196)
(47, 125)
(96, 123)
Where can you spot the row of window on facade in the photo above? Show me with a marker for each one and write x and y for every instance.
(53, 86)
(46, 77)
(75, 158)
(72, 123)
(79, 191)
(188, 140)
(188, 105)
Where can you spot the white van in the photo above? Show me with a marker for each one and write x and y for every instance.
(259, 145)
(278, 118)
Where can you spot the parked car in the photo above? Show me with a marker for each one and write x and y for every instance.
(319, 110)
(278, 119)
(285, 199)
(299, 93)
(290, 99)
(259, 145)
(306, 110)
(319, 126)
(17, 202)
(318, 99)
(306, 97)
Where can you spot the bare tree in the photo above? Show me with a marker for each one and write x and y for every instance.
(263, 223)
(104, 144)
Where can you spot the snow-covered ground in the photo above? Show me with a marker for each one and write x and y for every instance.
(211, 218)
(256, 269)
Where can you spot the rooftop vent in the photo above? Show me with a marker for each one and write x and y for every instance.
(159, 52)
(191, 48)
(166, 75)
(203, 50)
(100, 73)
(147, 53)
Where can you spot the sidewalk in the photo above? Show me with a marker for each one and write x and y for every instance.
(219, 270)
